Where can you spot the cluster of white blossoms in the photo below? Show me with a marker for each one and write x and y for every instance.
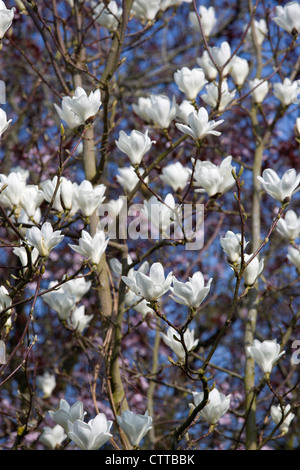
(92, 435)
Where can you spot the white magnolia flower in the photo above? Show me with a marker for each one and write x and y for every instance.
(76, 110)
(52, 437)
(260, 89)
(260, 29)
(31, 199)
(239, 70)
(207, 65)
(47, 383)
(190, 293)
(160, 214)
(44, 239)
(77, 320)
(5, 299)
(265, 353)
(294, 256)
(253, 270)
(77, 287)
(285, 417)
(91, 435)
(176, 344)
(161, 110)
(199, 125)
(231, 245)
(135, 145)
(208, 19)
(67, 413)
(13, 187)
(288, 17)
(128, 178)
(135, 426)
(283, 188)
(150, 287)
(91, 248)
(211, 97)
(141, 108)
(217, 405)
(6, 18)
(4, 123)
(286, 91)
(145, 10)
(289, 227)
(89, 197)
(190, 81)
(184, 110)
(59, 300)
(176, 175)
(221, 54)
(214, 179)
(107, 15)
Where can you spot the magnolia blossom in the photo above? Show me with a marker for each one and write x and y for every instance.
(91, 248)
(184, 110)
(288, 17)
(176, 175)
(282, 416)
(135, 426)
(207, 65)
(190, 293)
(265, 353)
(91, 435)
(77, 287)
(145, 10)
(128, 178)
(2, 352)
(253, 270)
(44, 239)
(260, 29)
(289, 227)
(59, 300)
(190, 81)
(286, 91)
(175, 343)
(260, 89)
(76, 110)
(31, 198)
(221, 55)
(89, 197)
(107, 15)
(52, 437)
(6, 18)
(214, 179)
(207, 17)
(161, 214)
(239, 70)
(294, 256)
(77, 320)
(13, 186)
(199, 125)
(5, 299)
(161, 110)
(217, 405)
(67, 413)
(52, 192)
(135, 146)
(150, 287)
(231, 245)
(281, 189)
(141, 107)
(211, 97)
(4, 123)
(47, 383)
